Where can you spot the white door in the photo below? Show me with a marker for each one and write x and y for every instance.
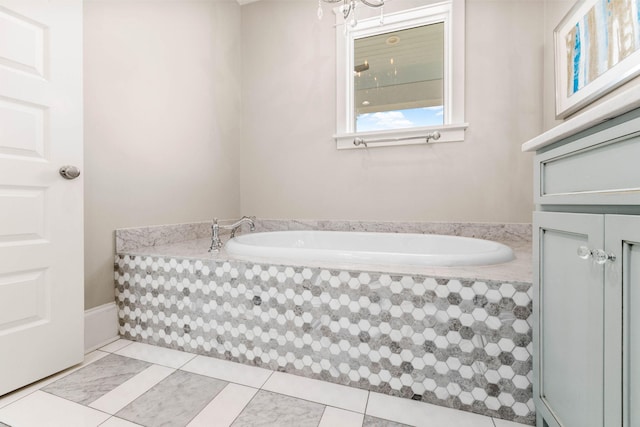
(41, 223)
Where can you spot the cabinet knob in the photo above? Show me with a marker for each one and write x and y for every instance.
(599, 255)
(584, 252)
(602, 257)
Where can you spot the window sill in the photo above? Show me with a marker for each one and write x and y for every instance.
(413, 136)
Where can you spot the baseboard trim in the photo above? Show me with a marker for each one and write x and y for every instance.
(100, 326)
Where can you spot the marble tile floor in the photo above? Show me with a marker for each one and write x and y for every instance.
(126, 383)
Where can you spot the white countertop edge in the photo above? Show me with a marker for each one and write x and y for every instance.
(620, 104)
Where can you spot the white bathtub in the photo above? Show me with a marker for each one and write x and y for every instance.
(370, 248)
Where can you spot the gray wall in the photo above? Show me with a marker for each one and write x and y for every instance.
(171, 85)
(291, 169)
(162, 107)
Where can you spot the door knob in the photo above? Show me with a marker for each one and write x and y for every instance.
(69, 172)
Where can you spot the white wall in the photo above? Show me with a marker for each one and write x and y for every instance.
(291, 169)
(162, 107)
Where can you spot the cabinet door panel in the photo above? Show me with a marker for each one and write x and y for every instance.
(622, 288)
(633, 333)
(569, 316)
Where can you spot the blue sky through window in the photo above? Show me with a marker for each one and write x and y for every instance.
(400, 119)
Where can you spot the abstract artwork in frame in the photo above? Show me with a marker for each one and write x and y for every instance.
(597, 48)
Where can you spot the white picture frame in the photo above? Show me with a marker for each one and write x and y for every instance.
(597, 49)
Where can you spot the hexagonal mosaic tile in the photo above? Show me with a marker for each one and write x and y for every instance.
(454, 342)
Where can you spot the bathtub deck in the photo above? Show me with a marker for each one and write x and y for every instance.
(518, 270)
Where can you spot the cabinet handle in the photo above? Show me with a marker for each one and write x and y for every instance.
(599, 255)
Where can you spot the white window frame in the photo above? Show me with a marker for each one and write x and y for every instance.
(451, 13)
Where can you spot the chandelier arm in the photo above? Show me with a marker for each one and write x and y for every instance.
(370, 4)
(346, 10)
(331, 1)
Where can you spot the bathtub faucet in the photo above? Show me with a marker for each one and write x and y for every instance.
(244, 220)
(216, 243)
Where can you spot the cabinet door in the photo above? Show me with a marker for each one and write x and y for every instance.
(622, 287)
(568, 320)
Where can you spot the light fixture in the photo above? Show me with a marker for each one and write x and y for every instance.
(361, 67)
(349, 7)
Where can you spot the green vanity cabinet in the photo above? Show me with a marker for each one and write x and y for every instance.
(586, 349)
(623, 237)
(586, 227)
(569, 348)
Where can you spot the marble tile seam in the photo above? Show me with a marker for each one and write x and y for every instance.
(178, 397)
(116, 345)
(366, 410)
(230, 375)
(32, 388)
(96, 379)
(225, 407)
(314, 390)
(130, 390)
(156, 355)
(332, 417)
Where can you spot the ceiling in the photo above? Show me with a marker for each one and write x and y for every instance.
(401, 57)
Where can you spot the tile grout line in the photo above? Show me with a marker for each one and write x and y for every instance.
(316, 402)
(245, 407)
(261, 387)
(313, 401)
(96, 409)
(113, 416)
(321, 416)
(222, 379)
(194, 355)
(208, 403)
(62, 374)
(83, 405)
(366, 407)
(113, 352)
(151, 365)
(183, 365)
(266, 380)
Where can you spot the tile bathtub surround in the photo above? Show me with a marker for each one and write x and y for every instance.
(177, 398)
(458, 343)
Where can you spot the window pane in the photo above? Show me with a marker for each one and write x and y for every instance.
(399, 119)
(398, 79)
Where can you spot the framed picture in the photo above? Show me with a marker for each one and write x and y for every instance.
(597, 48)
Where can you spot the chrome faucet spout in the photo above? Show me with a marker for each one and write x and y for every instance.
(236, 225)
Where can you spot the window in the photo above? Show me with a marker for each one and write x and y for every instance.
(402, 81)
